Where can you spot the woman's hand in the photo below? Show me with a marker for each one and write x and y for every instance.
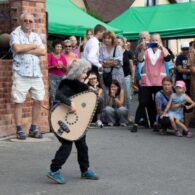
(60, 65)
(160, 46)
(72, 108)
(113, 93)
(162, 115)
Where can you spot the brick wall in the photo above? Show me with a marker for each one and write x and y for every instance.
(14, 8)
(4, 17)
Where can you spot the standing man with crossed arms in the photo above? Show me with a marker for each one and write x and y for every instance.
(27, 47)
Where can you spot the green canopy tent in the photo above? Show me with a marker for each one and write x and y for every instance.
(170, 20)
(65, 18)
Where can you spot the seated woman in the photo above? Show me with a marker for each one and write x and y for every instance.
(161, 99)
(175, 108)
(93, 84)
(57, 68)
(115, 112)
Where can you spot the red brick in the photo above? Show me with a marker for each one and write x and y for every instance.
(7, 126)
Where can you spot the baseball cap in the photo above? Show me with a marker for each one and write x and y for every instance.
(185, 45)
(180, 84)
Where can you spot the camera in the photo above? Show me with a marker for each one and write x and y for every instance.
(152, 45)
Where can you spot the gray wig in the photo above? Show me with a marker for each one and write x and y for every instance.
(77, 68)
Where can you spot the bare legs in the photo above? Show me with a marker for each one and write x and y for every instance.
(36, 110)
(175, 123)
(18, 113)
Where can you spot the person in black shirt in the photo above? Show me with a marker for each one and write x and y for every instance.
(182, 66)
(128, 69)
(70, 86)
(183, 73)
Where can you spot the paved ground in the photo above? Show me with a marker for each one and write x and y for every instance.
(143, 163)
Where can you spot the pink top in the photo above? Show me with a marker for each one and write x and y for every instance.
(53, 61)
(154, 68)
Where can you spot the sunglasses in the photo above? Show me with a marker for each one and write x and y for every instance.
(93, 78)
(67, 46)
(185, 49)
(28, 21)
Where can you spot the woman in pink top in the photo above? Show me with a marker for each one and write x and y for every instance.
(57, 65)
(70, 56)
(153, 55)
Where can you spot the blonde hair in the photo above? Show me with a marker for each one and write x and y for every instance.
(157, 35)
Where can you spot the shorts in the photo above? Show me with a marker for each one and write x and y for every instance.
(22, 85)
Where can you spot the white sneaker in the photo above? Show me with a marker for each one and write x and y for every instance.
(99, 123)
(110, 124)
(123, 124)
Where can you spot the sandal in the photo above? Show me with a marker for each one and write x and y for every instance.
(21, 135)
(35, 134)
(162, 132)
(178, 133)
(188, 134)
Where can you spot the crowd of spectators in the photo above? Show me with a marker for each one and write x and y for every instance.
(150, 70)
(165, 84)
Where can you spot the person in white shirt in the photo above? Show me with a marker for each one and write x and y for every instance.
(27, 47)
(91, 50)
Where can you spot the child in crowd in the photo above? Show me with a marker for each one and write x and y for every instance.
(93, 82)
(175, 107)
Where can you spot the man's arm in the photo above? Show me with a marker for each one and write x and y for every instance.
(92, 55)
(141, 55)
(37, 52)
(179, 66)
(23, 48)
(192, 69)
(182, 70)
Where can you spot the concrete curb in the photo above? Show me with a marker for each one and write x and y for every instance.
(46, 137)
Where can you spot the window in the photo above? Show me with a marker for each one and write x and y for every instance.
(150, 2)
(184, 1)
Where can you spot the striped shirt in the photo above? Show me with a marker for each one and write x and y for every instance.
(27, 65)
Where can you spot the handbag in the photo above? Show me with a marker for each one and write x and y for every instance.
(107, 76)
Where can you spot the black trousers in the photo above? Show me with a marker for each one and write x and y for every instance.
(98, 109)
(64, 151)
(146, 100)
(164, 122)
(95, 70)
